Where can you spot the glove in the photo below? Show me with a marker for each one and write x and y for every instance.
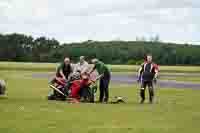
(155, 80)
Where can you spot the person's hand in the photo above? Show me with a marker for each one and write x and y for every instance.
(88, 73)
(93, 81)
(139, 79)
(155, 80)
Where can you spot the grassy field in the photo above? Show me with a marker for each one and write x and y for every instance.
(26, 109)
(114, 68)
(182, 79)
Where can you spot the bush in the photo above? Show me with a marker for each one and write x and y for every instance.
(131, 62)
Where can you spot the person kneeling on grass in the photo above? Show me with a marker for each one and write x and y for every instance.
(78, 89)
(64, 70)
(74, 76)
(147, 74)
(103, 70)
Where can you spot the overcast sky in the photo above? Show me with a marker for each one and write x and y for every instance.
(78, 20)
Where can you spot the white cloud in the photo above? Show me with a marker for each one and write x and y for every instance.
(27, 9)
(178, 4)
(173, 20)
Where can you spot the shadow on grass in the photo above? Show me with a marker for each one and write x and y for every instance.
(3, 97)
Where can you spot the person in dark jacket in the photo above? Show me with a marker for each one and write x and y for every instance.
(148, 73)
(64, 70)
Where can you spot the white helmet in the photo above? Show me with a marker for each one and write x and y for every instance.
(2, 87)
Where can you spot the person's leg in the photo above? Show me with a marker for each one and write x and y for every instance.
(101, 88)
(106, 91)
(66, 88)
(51, 95)
(151, 91)
(106, 86)
(142, 91)
(84, 93)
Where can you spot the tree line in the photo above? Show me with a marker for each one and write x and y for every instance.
(20, 47)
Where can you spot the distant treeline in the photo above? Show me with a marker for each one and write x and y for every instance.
(19, 47)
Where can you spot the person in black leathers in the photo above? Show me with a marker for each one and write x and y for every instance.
(148, 73)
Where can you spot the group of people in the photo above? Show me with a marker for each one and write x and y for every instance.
(67, 70)
(147, 75)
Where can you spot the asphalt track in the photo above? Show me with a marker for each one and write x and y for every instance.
(132, 79)
(128, 79)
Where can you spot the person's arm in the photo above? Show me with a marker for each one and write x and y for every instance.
(140, 72)
(156, 74)
(61, 73)
(75, 67)
(71, 72)
(156, 70)
(92, 69)
(60, 70)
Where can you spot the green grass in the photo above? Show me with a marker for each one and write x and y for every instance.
(26, 110)
(28, 66)
(183, 79)
(114, 68)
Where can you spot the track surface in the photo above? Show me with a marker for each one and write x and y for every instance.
(132, 79)
(127, 79)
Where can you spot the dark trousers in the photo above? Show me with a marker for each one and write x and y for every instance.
(150, 88)
(84, 91)
(104, 87)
